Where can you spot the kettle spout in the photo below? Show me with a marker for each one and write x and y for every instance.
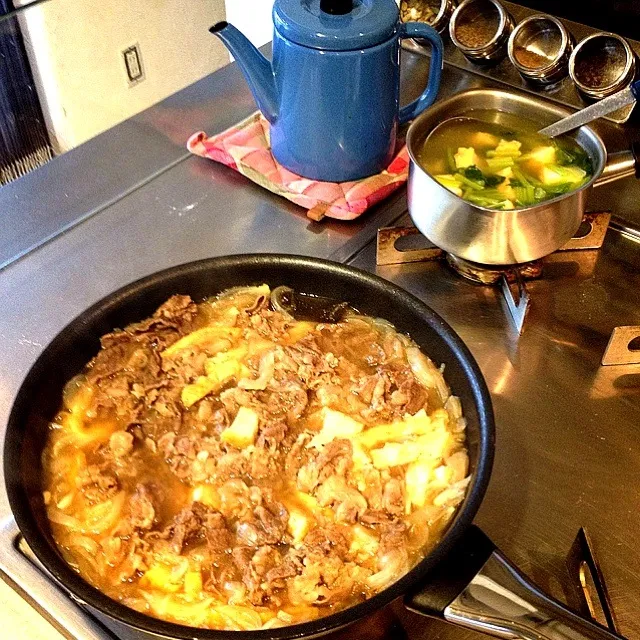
(255, 67)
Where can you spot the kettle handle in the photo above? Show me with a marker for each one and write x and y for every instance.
(425, 32)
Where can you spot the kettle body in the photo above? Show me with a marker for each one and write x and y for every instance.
(331, 91)
(338, 112)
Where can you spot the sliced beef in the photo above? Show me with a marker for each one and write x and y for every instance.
(348, 503)
(234, 398)
(231, 464)
(372, 487)
(336, 458)
(375, 517)
(98, 483)
(290, 566)
(267, 525)
(220, 543)
(309, 360)
(121, 443)
(326, 576)
(273, 522)
(142, 511)
(179, 453)
(263, 465)
(289, 401)
(242, 557)
(134, 361)
(176, 315)
(298, 455)
(271, 435)
(130, 556)
(191, 526)
(120, 374)
(393, 497)
(409, 395)
(255, 565)
(111, 360)
(219, 538)
(391, 392)
(393, 536)
(325, 541)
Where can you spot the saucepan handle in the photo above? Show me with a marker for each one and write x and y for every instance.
(478, 588)
(621, 164)
(424, 31)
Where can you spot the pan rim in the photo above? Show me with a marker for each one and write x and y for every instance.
(83, 593)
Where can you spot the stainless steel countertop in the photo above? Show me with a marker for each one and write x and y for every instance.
(567, 428)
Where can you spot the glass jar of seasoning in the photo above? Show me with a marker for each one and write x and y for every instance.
(481, 29)
(602, 64)
(539, 48)
(435, 13)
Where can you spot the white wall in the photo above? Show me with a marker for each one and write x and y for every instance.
(253, 18)
(75, 49)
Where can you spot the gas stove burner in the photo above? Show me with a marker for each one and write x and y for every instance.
(590, 235)
(491, 274)
(402, 245)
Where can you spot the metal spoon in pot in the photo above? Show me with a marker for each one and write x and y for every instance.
(620, 99)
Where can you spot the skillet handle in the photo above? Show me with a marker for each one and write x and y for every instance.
(478, 588)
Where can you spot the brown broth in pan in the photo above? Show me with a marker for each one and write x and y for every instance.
(223, 465)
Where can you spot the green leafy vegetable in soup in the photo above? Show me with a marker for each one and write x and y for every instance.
(497, 167)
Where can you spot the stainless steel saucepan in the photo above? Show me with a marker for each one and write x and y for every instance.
(487, 236)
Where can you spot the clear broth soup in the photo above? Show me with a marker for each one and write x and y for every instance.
(504, 164)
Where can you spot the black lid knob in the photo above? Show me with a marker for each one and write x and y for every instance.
(336, 7)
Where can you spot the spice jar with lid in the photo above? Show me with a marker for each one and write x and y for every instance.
(435, 13)
(539, 48)
(602, 64)
(481, 29)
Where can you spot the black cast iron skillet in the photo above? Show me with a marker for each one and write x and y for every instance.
(451, 581)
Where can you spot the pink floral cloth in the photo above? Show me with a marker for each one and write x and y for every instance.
(245, 148)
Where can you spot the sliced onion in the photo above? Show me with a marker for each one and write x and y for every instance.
(265, 373)
(427, 374)
(104, 516)
(274, 623)
(235, 591)
(84, 542)
(71, 389)
(86, 549)
(453, 495)
(194, 614)
(393, 565)
(244, 298)
(239, 618)
(56, 516)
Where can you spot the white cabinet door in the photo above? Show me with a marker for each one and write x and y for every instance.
(252, 17)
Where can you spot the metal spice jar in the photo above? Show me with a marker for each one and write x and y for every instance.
(435, 13)
(481, 29)
(602, 64)
(539, 48)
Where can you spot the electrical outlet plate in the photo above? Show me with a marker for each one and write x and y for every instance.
(134, 69)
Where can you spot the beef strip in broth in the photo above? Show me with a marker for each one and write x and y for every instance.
(223, 465)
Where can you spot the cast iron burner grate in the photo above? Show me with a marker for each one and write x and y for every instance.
(511, 279)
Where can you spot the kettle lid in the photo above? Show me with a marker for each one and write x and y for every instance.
(336, 25)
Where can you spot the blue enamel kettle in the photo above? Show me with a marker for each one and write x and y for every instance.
(331, 92)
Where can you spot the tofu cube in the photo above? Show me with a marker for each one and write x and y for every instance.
(465, 157)
(243, 430)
